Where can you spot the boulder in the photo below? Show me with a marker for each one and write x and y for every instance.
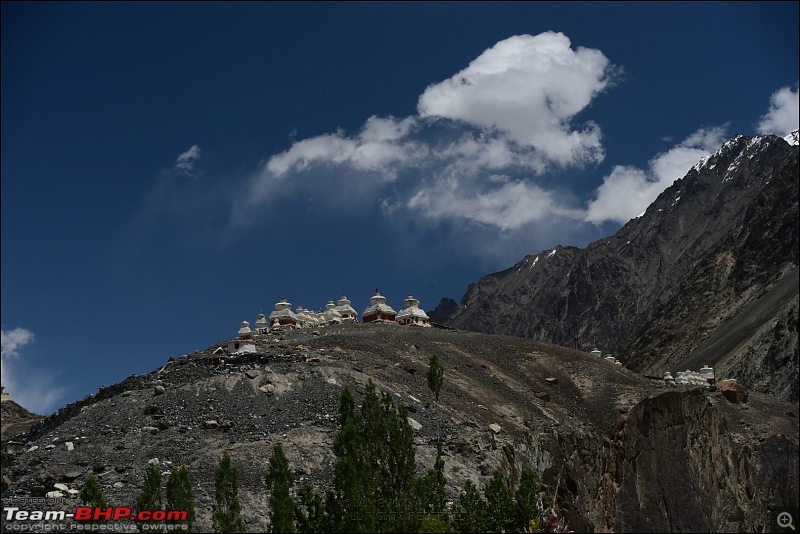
(734, 392)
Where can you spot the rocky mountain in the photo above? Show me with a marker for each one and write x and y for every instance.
(620, 451)
(15, 419)
(708, 274)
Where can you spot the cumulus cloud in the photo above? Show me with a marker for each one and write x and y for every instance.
(511, 205)
(474, 149)
(627, 191)
(783, 115)
(529, 88)
(34, 390)
(186, 160)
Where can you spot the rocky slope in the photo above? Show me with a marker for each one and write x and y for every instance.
(16, 419)
(618, 293)
(738, 311)
(626, 453)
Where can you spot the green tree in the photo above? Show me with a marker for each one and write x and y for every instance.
(281, 503)
(435, 376)
(179, 495)
(226, 515)
(374, 473)
(526, 500)
(499, 504)
(431, 488)
(92, 496)
(150, 499)
(310, 512)
(471, 513)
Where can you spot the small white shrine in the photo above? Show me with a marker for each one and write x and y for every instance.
(244, 343)
(596, 352)
(412, 314)
(708, 373)
(347, 312)
(261, 324)
(378, 310)
(306, 318)
(332, 315)
(692, 378)
(284, 315)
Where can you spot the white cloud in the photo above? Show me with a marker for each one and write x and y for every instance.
(510, 109)
(12, 340)
(499, 202)
(380, 144)
(32, 389)
(529, 88)
(185, 161)
(783, 115)
(627, 191)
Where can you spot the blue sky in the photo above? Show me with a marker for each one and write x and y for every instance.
(171, 169)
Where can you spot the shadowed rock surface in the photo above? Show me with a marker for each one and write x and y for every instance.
(708, 274)
(632, 454)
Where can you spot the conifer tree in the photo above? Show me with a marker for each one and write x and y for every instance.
(310, 513)
(431, 487)
(499, 504)
(471, 513)
(92, 496)
(432, 496)
(526, 500)
(226, 516)
(281, 503)
(179, 495)
(150, 499)
(374, 473)
(435, 375)
(350, 507)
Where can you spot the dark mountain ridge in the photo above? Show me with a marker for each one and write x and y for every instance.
(607, 294)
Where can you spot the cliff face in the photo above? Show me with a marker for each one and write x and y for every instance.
(620, 452)
(738, 311)
(728, 227)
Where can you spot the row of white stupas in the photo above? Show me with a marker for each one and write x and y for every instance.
(283, 317)
(609, 358)
(705, 377)
(692, 378)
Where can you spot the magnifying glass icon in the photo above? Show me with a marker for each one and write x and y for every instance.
(785, 520)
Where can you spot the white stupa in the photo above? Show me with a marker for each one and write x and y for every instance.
(331, 314)
(243, 344)
(347, 312)
(261, 324)
(412, 314)
(284, 314)
(378, 310)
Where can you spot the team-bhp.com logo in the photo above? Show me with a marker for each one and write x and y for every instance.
(87, 514)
